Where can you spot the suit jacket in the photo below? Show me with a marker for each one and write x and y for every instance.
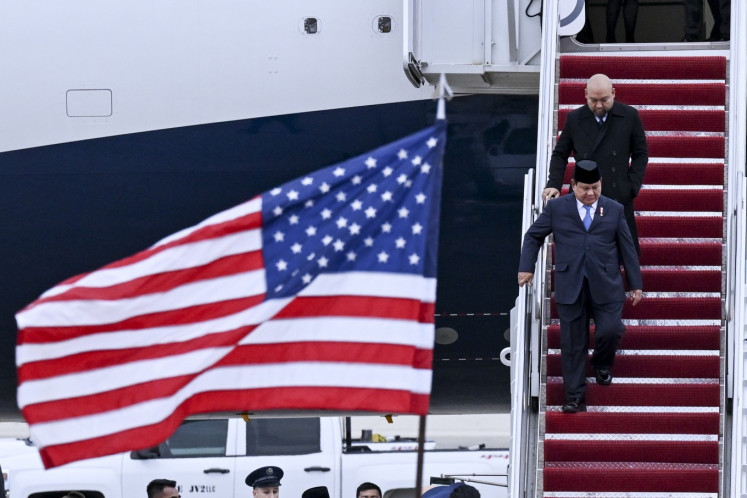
(596, 253)
(620, 141)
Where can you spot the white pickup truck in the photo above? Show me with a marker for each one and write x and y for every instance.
(211, 458)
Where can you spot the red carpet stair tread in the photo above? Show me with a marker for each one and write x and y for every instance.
(657, 427)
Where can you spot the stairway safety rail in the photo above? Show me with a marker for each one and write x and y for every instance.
(527, 316)
(736, 284)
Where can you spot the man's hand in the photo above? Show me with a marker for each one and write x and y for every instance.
(525, 278)
(635, 296)
(550, 193)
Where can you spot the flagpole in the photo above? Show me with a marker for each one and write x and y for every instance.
(443, 92)
(421, 450)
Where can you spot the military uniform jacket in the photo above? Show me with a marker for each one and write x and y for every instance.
(596, 253)
(618, 142)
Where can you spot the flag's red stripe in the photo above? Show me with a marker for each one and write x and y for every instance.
(241, 355)
(92, 360)
(243, 223)
(162, 282)
(363, 306)
(289, 398)
(191, 314)
(246, 355)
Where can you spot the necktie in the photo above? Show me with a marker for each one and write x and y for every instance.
(587, 218)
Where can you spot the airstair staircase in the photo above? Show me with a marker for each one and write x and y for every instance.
(659, 427)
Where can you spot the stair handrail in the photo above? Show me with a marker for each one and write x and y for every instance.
(736, 246)
(527, 316)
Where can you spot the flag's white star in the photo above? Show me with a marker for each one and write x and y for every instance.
(324, 188)
(370, 162)
(326, 214)
(296, 248)
(356, 180)
(426, 168)
(371, 188)
(383, 257)
(338, 245)
(311, 231)
(281, 265)
(401, 178)
(276, 191)
(408, 183)
(368, 241)
(356, 205)
(386, 196)
(350, 256)
(414, 259)
(279, 236)
(386, 228)
(293, 219)
(432, 142)
(370, 213)
(402, 154)
(278, 288)
(306, 278)
(292, 195)
(403, 212)
(341, 197)
(322, 262)
(399, 243)
(309, 203)
(420, 198)
(417, 160)
(277, 211)
(339, 171)
(342, 222)
(311, 256)
(307, 181)
(355, 229)
(387, 171)
(417, 229)
(327, 240)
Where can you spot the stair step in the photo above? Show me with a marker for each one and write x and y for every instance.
(687, 226)
(683, 200)
(631, 451)
(677, 279)
(668, 308)
(657, 252)
(674, 173)
(656, 337)
(693, 94)
(652, 366)
(620, 394)
(642, 477)
(703, 120)
(650, 68)
(557, 422)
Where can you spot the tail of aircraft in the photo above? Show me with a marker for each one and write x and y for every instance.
(673, 416)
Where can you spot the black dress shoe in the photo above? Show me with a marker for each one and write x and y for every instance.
(574, 406)
(604, 377)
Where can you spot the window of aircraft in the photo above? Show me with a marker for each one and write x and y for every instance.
(311, 25)
(282, 436)
(384, 24)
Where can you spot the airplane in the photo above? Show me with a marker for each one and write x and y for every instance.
(123, 123)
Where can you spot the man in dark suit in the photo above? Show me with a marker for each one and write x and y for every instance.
(611, 134)
(591, 237)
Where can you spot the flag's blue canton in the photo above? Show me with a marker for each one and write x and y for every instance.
(376, 212)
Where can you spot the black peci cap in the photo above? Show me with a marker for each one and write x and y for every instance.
(265, 477)
(586, 172)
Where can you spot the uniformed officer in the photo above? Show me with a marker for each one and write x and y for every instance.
(265, 481)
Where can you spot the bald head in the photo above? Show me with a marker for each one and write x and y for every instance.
(600, 94)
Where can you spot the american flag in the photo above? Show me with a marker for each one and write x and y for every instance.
(316, 295)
